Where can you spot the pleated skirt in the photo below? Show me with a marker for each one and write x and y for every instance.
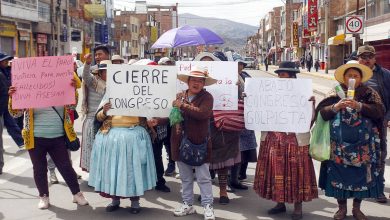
(285, 171)
(122, 163)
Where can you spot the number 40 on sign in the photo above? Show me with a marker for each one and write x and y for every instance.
(354, 24)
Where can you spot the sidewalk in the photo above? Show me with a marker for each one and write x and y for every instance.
(320, 73)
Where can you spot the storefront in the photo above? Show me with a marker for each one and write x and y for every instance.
(7, 37)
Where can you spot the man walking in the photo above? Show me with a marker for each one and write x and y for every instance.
(380, 81)
(309, 61)
(9, 122)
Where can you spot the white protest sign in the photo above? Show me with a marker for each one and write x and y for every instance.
(146, 91)
(225, 91)
(278, 104)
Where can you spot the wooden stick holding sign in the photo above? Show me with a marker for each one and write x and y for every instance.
(146, 91)
(278, 104)
(42, 82)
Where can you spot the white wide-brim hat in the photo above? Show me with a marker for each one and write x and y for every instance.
(366, 71)
(199, 73)
(206, 54)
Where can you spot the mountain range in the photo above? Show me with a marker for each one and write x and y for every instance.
(233, 33)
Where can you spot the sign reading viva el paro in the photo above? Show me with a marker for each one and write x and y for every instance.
(146, 91)
(278, 104)
(42, 82)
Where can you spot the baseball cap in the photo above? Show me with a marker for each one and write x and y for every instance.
(365, 49)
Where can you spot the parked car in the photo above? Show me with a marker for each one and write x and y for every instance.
(250, 62)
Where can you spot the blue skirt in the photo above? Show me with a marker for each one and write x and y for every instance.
(122, 163)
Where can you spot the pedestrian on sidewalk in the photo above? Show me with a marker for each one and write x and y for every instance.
(266, 63)
(380, 82)
(302, 60)
(122, 163)
(309, 61)
(196, 106)
(317, 65)
(3, 108)
(44, 131)
(355, 126)
(10, 122)
(93, 89)
(285, 171)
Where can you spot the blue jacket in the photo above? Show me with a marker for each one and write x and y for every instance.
(380, 82)
(3, 94)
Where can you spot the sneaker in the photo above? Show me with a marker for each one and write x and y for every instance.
(170, 171)
(184, 210)
(44, 202)
(209, 212)
(80, 199)
(53, 177)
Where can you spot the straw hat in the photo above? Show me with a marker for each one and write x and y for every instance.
(116, 57)
(366, 71)
(199, 73)
(132, 61)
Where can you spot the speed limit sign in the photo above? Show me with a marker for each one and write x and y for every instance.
(354, 24)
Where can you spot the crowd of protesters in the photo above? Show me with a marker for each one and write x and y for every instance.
(123, 154)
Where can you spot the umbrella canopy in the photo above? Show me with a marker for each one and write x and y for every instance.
(187, 36)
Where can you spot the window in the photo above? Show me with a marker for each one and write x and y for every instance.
(43, 12)
(64, 17)
(376, 8)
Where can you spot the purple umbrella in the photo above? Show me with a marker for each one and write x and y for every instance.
(187, 36)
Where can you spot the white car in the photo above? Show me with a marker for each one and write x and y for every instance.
(250, 62)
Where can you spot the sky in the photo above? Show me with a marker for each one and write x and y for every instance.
(242, 11)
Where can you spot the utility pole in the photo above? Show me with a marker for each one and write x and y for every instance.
(357, 36)
(58, 14)
(327, 51)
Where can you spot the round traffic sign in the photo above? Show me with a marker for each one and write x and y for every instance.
(354, 24)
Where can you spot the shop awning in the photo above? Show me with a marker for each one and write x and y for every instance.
(337, 40)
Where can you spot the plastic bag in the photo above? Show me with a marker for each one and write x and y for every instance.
(175, 116)
(320, 140)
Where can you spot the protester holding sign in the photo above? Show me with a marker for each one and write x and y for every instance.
(44, 133)
(94, 87)
(354, 168)
(285, 171)
(122, 163)
(196, 106)
(225, 144)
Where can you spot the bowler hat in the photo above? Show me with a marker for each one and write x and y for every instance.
(287, 66)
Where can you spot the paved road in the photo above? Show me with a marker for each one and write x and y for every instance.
(18, 196)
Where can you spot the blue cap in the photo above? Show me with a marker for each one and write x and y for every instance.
(4, 56)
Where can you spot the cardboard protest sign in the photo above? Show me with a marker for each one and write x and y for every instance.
(42, 82)
(278, 104)
(137, 90)
(225, 91)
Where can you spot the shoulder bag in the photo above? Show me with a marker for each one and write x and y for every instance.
(71, 145)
